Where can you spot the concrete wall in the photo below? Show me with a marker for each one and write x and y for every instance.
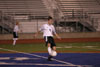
(63, 35)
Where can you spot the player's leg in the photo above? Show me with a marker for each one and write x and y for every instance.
(49, 51)
(52, 47)
(15, 38)
(48, 44)
(14, 41)
(49, 48)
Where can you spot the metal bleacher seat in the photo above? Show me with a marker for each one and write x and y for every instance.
(67, 6)
(23, 7)
(24, 10)
(81, 9)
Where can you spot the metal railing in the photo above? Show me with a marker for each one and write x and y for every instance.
(80, 15)
(6, 22)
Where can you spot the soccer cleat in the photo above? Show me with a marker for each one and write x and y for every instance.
(50, 58)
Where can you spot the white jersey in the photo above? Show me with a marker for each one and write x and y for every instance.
(48, 30)
(16, 28)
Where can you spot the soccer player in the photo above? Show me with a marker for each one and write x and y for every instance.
(15, 33)
(48, 32)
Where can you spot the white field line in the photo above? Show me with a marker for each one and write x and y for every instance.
(88, 47)
(41, 57)
(60, 65)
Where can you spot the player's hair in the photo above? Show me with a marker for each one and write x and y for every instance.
(50, 18)
(17, 22)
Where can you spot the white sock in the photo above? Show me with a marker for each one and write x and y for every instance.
(49, 50)
(14, 41)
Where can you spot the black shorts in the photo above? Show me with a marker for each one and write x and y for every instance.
(15, 35)
(49, 39)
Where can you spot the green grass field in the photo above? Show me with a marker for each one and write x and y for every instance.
(93, 47)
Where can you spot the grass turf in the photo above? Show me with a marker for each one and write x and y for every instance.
(93, 47)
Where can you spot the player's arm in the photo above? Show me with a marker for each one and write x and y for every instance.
(54, 32)
(58, 36)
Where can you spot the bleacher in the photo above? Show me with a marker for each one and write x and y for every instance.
(83, 10)
(90, 6)
(24, 11)
(23, 7)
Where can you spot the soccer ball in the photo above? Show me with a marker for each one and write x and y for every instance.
(53, 53)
